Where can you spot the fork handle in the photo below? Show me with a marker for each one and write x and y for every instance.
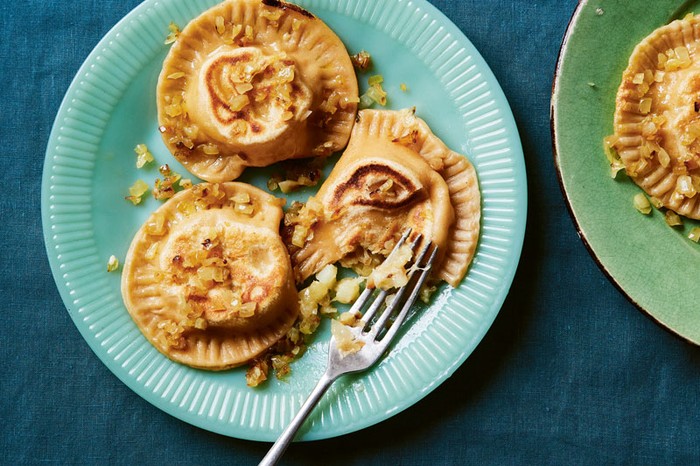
(279, 447)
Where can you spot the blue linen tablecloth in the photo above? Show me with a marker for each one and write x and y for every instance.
(570, 372)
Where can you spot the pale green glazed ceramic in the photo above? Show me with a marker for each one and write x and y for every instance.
(654, 265)
(110, 107)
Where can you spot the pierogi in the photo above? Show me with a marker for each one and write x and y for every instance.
(395, 174)
(657, 116)
(252, 82)
(207, 278)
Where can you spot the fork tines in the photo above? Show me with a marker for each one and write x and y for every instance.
(375, 333)
(378, 325)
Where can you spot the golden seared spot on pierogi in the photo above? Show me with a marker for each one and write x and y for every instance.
(657, 116)
(395, 174)
(208, 279)
(249, 83)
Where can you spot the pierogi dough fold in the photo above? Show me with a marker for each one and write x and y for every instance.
(657, 116)
(251, 82)
(207, 278)
(395, 174)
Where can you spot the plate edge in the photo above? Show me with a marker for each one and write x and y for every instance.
(518, 239)
(579, 231)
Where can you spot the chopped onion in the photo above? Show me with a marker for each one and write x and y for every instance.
(299, 235)
(684, 186)
(694, 234)
(210, 149)
(112, 263)
(344, 339)
(247, 309)
(143, 155)
(376, 79)
(645, 106)
(365, 101)
(136, 192)
(656, 202)
(641, 203)
(392, 273)
(241, 198)
(156, 225)
(257, 373)
(349, 318)
(611, 154)
(173, 34)
(245, 209)
(377, 94)
(673, 219)
(347, 290)
(238, 103)
(426, 292)
(328, 275)
(362, 60)
(271, 15)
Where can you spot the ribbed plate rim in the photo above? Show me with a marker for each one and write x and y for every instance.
(446, 343)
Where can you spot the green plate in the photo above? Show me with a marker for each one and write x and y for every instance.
(110, 107)
(654, 265)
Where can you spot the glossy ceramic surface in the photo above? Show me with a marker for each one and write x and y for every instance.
(110, 107)
(653, 264)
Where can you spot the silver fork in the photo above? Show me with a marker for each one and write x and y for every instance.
(375, 333)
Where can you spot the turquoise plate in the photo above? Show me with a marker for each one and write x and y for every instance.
(110, 107)
(653, 265)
